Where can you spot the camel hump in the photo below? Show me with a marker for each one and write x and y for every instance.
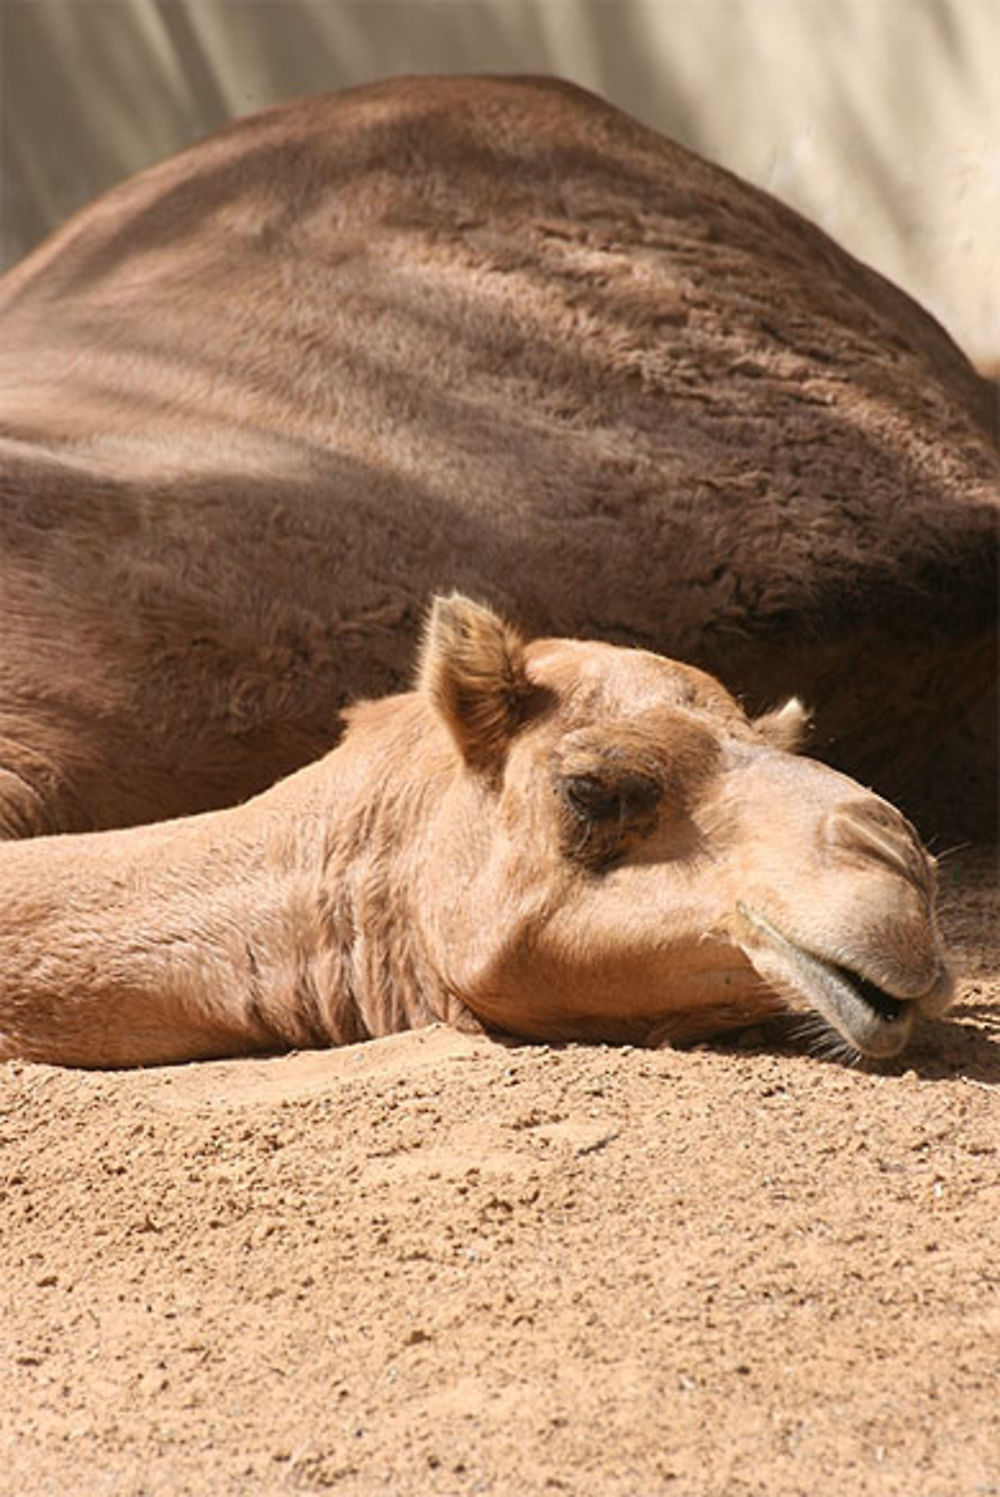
(260, 402)
(474, 157)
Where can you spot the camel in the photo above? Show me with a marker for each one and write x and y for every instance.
(261, 401)
(557, 840)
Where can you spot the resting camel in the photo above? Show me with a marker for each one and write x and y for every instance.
(558, 840)
(261, 401)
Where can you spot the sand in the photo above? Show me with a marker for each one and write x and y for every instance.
(437, 1264)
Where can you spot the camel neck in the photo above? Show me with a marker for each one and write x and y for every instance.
(285, 922)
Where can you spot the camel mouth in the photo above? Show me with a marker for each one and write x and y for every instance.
(889, 1009)
(874, 1022)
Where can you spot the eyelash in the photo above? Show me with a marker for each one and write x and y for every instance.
(603, 813)
(592, 800)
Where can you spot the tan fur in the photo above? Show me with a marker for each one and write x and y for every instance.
(261, 401)
(625, 857)
(473, 672)
(787, 727)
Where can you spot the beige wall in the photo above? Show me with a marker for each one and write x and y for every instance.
(880, 119)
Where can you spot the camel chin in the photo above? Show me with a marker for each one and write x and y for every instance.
(874, 1018)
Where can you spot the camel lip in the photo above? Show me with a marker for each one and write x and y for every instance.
(877, 1023)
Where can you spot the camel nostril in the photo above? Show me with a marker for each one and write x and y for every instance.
(870, 829)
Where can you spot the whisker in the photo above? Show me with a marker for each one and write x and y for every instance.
(823, 1041)
(950, 852)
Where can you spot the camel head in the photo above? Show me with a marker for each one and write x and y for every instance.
(559, 840)
(619, 853)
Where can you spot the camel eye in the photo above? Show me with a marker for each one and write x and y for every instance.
(623, 798)
(589, 797)
(607, 813)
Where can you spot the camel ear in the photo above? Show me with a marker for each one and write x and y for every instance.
(787, 727)
(472, 669)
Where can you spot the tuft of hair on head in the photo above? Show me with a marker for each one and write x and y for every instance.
(473, 671)
(787, 727)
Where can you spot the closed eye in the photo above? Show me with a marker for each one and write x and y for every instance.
(608, 814)
(621, 799)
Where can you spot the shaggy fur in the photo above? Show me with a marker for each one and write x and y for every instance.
(259, 402)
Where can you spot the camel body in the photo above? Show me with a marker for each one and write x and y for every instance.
(562, 840)
(258, 403)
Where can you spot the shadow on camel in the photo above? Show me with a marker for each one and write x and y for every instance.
(261, 401)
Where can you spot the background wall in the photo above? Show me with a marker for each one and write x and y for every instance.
(879, 119)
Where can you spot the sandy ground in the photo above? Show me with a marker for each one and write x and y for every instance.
(434, 1264)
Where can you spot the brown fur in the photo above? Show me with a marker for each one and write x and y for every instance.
(474, 675)
(259, 402)
(627, 857)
